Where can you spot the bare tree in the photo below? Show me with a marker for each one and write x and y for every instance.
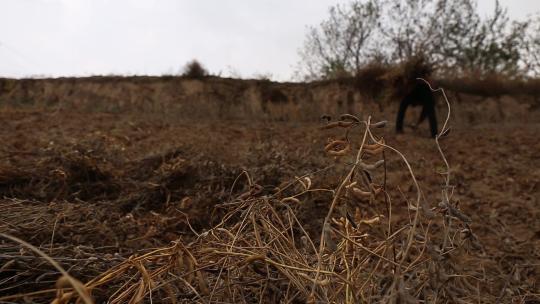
(532, 47)
(338, 45)
(408, 28)
(454, 37)
(494, 45)
(449, 33)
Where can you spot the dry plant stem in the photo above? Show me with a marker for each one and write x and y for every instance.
(366, 249)
(371, 273)
(388, 205)
(83, 294)
(230, 247)
(418, 199)
(302, 176)
(52, 235)
(248, 177)
(446, 197)
(122, 267)
(443, 130)
(303, 230)
(333, 205)
(28, 294)
(445, 190)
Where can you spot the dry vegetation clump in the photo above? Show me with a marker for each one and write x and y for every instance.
(368, 248)
(493, 85)
(194, 69)
(370, 79)
(60, 174)
(74, 234)
(88, 173)
(155, 182)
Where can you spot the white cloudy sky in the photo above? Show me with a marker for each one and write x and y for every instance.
(238, 37)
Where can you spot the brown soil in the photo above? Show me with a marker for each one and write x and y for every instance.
(91, 189)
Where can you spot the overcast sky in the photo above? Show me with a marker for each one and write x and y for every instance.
(235, 37)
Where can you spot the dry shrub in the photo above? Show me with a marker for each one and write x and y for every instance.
(370, 79)
(194, 69)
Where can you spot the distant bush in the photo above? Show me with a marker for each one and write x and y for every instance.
(194, 69)
(263, 76)
(492, 85)
(370, 78)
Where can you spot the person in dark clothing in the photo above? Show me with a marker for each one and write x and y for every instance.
(420, 95)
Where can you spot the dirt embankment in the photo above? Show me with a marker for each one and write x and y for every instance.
(222, 98)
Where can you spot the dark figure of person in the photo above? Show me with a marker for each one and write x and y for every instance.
(420, 95)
